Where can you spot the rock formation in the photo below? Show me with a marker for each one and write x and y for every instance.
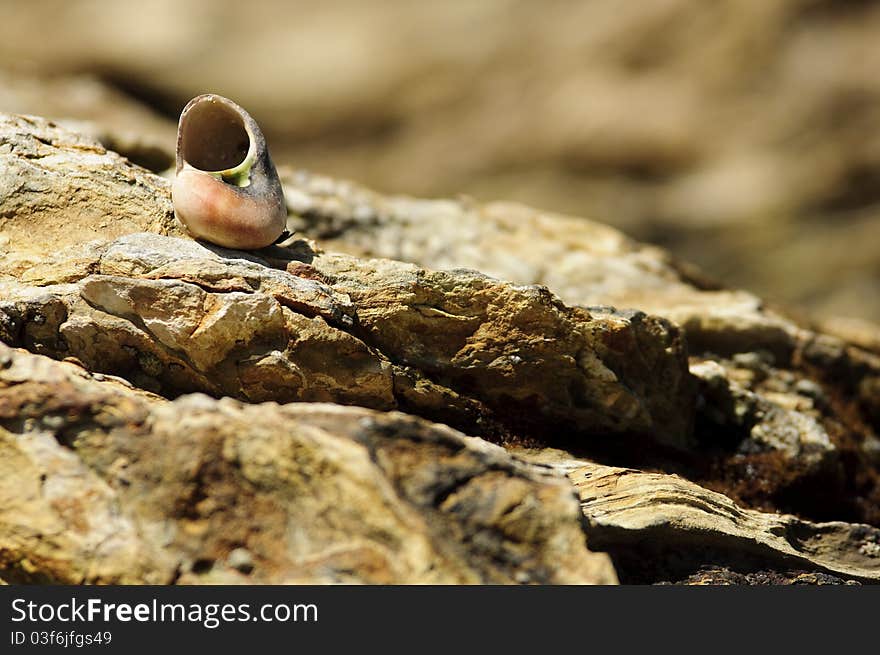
(172, 411)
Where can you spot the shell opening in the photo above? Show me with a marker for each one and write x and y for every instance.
(214, 138)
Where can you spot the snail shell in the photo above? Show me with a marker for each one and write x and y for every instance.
(226, 189)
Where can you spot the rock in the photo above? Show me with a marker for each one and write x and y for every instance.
(864, 334)
(591, 265)
(657, 525)
(521, 350)
(722, 576)
(105, 483)
(90, 106)
(241, 560)
(174, 316)
(169, 334)
(66, 188)
(769, 408)
(757, 410)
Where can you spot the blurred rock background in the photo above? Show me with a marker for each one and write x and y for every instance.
(744, 135)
